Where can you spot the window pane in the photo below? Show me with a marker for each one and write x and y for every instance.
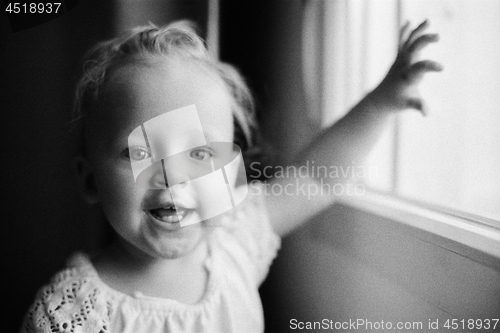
(452, 158)
(360, 44)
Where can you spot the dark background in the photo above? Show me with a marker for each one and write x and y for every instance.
(44, 217)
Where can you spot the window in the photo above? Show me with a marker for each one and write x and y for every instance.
(451, 159)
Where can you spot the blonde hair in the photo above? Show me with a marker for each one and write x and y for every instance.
(179, 39)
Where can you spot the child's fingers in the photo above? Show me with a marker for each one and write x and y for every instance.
(422, 42)
(418, 104)
(415, 32)
(402, 34)
(416, 71)
(424, 66)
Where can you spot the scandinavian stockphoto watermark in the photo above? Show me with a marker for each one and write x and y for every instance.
(310, 179)
(172, 152)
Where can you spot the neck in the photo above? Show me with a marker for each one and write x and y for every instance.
(129, 258)
(127, 269)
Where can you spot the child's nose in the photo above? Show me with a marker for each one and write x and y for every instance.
(166, 175)
(158, 178)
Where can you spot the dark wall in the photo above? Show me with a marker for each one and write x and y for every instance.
(44, 218)
(263, 40)
(132, 13)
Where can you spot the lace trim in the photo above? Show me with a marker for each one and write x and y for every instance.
(68, 305)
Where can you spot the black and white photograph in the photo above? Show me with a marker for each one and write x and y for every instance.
(251, 166)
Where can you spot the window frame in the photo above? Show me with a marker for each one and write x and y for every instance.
(449, 228)
(474, 232)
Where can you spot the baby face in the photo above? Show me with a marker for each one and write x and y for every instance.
(183, 111)
(171, 152)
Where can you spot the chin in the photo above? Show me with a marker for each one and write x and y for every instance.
(180, 247)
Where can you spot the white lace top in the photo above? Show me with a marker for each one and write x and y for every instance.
(240, 253)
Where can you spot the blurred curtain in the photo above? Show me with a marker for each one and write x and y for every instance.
(337, 50)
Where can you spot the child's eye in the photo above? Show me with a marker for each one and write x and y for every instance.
(200, 154)
(137, 153)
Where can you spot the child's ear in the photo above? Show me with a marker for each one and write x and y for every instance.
(86, 180)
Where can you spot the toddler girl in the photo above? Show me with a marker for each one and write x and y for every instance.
(194, 242)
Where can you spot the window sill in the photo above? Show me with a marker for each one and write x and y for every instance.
(473, 238)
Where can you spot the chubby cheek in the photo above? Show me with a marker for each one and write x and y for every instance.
(119, 196)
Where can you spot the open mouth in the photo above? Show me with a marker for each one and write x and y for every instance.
(169, 214)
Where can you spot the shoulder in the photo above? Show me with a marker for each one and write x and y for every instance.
(71, 302)
(248, 238)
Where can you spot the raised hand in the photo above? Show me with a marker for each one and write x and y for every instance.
(399, 89)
